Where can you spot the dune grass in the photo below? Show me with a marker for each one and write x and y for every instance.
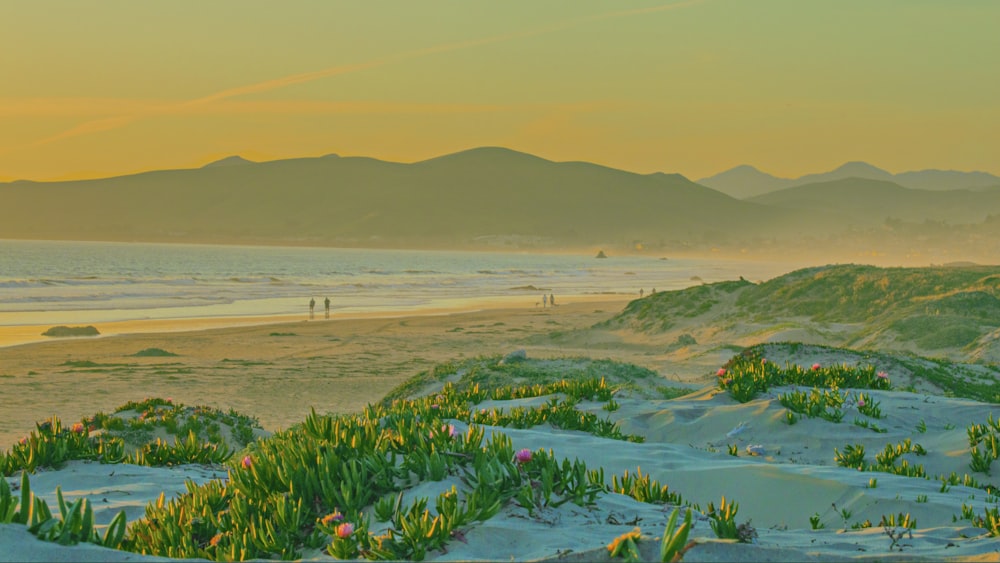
(490, 372)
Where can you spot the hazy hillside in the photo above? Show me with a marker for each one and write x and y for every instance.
(499, 198)
(478, 197)
(745, 181)
(947, 179)
(873, 201)
(941, 311)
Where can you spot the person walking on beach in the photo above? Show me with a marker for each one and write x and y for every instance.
(312, 307)
(640, 293)
(545, 300)
(327, 303)
(552, 300)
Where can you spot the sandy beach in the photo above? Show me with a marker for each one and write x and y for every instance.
(274, 368)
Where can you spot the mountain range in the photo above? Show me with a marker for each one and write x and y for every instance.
(746, 181)
(494, 197)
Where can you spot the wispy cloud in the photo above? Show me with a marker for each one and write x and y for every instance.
(101, 109)
(75, 107)
(135, 110)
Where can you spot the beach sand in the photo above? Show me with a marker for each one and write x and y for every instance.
(277, 372)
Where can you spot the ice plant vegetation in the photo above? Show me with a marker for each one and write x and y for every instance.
(747, 376)
(74, 523)
(624, 546)
(316, 485)
(675, 538)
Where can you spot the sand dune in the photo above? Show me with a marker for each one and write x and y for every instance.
(685, 448)
(686, 445)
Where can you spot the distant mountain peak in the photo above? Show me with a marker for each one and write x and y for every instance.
(745, 168)
(860, 168)
(742, 171)
(492, 150)
(743, 181)
(490, 153)
(234, 160)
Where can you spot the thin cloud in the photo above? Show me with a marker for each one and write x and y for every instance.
(75, 107)
(282, 82)
(177, 108)
(95, 126)
(99, 109)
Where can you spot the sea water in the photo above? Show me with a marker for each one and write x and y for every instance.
(51, 283)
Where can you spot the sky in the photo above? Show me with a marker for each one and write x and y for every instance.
(103, 88)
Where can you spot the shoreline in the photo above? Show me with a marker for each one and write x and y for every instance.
(28, 334)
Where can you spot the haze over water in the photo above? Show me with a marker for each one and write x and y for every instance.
(50, 283)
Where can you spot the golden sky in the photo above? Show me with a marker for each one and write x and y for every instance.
(91, 89)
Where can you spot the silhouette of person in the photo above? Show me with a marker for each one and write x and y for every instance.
(327, 303)
(545, 300)
(552, 300)
(312, 307)
(640, 293)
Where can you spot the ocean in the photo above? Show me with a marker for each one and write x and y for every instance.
(51, 283)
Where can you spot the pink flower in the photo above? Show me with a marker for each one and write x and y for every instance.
(450, 428)
(816, 367)
(247, 462)
(22, 441)
(763, 360)
(345, 530)
(883, 375)
(721, 372)
(861, 401)
(77, 428)
(435, 406)
(523, 456)
(334, 516)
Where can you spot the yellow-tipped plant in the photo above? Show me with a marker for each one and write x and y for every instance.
(724, 519)
(624, 546)
(675, 540)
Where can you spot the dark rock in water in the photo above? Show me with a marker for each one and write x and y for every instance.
(71, 331)
(514, 357)
(601, 254)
